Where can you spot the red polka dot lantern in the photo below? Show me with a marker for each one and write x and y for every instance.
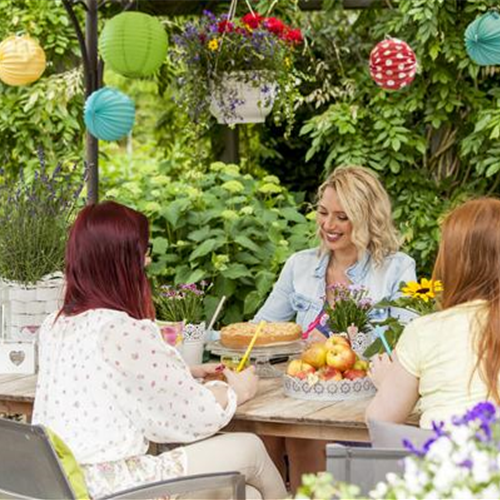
(393, 64)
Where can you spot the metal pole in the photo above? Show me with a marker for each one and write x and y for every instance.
(92, 144)
(231, 141)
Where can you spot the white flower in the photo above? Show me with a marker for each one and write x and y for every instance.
(446, 475)
(491, 491)
(480, 466)
(440, 450)
(462, 493)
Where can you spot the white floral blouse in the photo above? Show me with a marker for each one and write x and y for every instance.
(108, 384)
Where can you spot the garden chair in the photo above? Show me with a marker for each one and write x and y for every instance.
(364, 467)
(389, 435)
(30, 468)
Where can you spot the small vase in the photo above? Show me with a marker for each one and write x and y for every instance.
(193, 340)
(243, 97)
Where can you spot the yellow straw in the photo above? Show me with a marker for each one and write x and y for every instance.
(250, 346)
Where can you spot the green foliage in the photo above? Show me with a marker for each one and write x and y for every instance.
(34, 216)
(180, 303)
(46, 113)
(322, 486)
(433, 143)
(232, 230)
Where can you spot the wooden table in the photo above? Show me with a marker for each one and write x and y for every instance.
(272, 413)
(269, 413)
(17, 393)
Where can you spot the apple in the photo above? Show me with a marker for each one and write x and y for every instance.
(330, 373)
(353, 374)
(361, 364)
(341, 356)
(298, 366)
(315, 355)
(336, 340)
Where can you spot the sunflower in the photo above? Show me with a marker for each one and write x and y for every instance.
(425, 290)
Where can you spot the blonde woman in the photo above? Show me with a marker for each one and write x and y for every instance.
(359, 245)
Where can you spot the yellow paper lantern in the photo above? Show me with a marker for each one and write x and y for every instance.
(22, 60)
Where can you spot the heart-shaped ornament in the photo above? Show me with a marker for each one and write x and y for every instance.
(17, 357)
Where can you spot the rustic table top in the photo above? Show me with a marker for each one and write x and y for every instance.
(269, 412)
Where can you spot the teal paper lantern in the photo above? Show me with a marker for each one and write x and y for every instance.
(133, 44)
(482, 39)
(109, 114)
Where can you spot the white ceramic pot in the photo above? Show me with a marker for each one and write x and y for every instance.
(242, 97)
(26, 306)
(193, 343)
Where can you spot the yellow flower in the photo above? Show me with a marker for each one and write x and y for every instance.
(213, 44)
(288, 62)
(425, 290)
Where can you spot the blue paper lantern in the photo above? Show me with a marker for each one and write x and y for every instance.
(109, 114)
(482, 39)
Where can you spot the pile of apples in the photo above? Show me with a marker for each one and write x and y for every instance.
(330, 360)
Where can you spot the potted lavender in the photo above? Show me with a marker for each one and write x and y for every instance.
(245, 64)
(179, 311)
(35, 214)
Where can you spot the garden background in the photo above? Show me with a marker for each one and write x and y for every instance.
(433, 144)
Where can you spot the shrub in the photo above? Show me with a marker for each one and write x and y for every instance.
(233, 230)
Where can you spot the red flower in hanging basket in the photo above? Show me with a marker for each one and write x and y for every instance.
(225, 26)
(293, 35)
(393, 64)
(252, 19)
(274, 25)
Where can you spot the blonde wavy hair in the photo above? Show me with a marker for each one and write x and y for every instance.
(368, 208)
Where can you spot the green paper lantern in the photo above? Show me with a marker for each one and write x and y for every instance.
(133, 44)
(482, 39)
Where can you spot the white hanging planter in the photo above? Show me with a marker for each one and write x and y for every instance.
(243, 97)
(26, 306)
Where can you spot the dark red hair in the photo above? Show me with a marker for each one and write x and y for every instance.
(105, 262)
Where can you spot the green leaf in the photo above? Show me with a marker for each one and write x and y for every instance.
(160, 244)
(252, 302)
(236, 271)
(196, 276)
(246, 242)
(206, 247)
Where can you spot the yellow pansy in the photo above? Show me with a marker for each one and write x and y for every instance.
(213, 44)
(424, 290)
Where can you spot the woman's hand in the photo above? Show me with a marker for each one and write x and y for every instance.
(202, 371)
(315, 336)
(380, 365)
(243, 383)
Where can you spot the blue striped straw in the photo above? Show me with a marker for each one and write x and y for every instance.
(379, 332)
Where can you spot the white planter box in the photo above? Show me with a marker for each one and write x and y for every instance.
(26, 307)
(17, 357)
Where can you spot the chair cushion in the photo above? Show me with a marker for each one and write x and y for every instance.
(73, 471)
(389, 435)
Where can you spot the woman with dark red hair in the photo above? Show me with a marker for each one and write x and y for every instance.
(108, 383)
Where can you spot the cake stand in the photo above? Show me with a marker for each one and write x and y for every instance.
(262, 355)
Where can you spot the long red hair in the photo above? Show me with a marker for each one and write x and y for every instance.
(105, 257)
(468, 264)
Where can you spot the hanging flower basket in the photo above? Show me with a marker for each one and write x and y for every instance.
(243, 97)
(245, 65)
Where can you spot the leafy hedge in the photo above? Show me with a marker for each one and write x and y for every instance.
(233, 230)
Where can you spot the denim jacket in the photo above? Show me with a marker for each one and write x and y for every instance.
(299, 292)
